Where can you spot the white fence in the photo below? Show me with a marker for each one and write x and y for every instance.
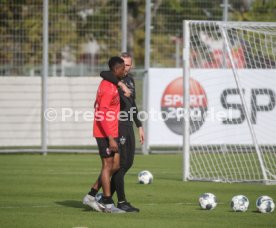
(69, 113)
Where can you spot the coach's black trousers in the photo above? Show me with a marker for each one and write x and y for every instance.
(127, 151)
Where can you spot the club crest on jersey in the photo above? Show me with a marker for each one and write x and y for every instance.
(122, 140)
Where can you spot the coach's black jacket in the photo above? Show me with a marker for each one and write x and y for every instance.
(126, 103)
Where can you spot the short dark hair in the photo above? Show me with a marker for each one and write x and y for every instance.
(125, 55)
(114, 61)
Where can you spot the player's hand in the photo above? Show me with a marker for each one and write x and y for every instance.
(141, 135)
(127, 91)
(113, 145)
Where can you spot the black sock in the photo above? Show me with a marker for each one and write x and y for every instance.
(107, 200)
(93, 192)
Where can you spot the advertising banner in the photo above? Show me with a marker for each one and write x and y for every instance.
(216, 112)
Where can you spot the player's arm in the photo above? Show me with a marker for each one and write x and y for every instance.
(135, 117)
(113, 146)
(134, 106)
(108, 76)
(138, 123)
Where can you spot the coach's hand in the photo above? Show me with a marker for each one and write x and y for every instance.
(113, 145)
(127, 91)
(141, 135)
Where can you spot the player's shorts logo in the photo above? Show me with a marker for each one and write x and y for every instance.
(122, 140)
(172, 106)
(108, 151)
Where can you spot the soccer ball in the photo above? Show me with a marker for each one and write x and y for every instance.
(207, 201)
(98, 196)
(240, 203)
(145, 177)
(265, 204)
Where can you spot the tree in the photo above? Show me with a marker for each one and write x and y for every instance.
(22, 39)
(73, 23)
(261, 11)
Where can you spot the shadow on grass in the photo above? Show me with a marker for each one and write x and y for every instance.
(201, 209)
(255, 211)
(74, 204)
(161, 177)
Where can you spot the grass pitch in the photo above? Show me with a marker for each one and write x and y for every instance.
(46, 191)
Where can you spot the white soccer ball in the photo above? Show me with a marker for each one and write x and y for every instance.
(240, 203)
(145, 177)
(207, 201)
(265, 204)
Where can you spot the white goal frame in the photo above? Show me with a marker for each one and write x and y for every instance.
(265, 178)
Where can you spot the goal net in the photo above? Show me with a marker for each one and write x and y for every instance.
(229, 101)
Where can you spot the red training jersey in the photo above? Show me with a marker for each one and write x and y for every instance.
(107, 107)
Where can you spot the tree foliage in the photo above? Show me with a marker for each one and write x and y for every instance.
(73, 23)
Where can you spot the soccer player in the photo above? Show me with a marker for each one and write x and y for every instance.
(105, 130)
(126, 133)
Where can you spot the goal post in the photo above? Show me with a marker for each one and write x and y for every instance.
(229, 103)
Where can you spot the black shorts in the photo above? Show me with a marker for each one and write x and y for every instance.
(103, 145)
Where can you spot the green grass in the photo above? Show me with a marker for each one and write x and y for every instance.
(46, 191)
